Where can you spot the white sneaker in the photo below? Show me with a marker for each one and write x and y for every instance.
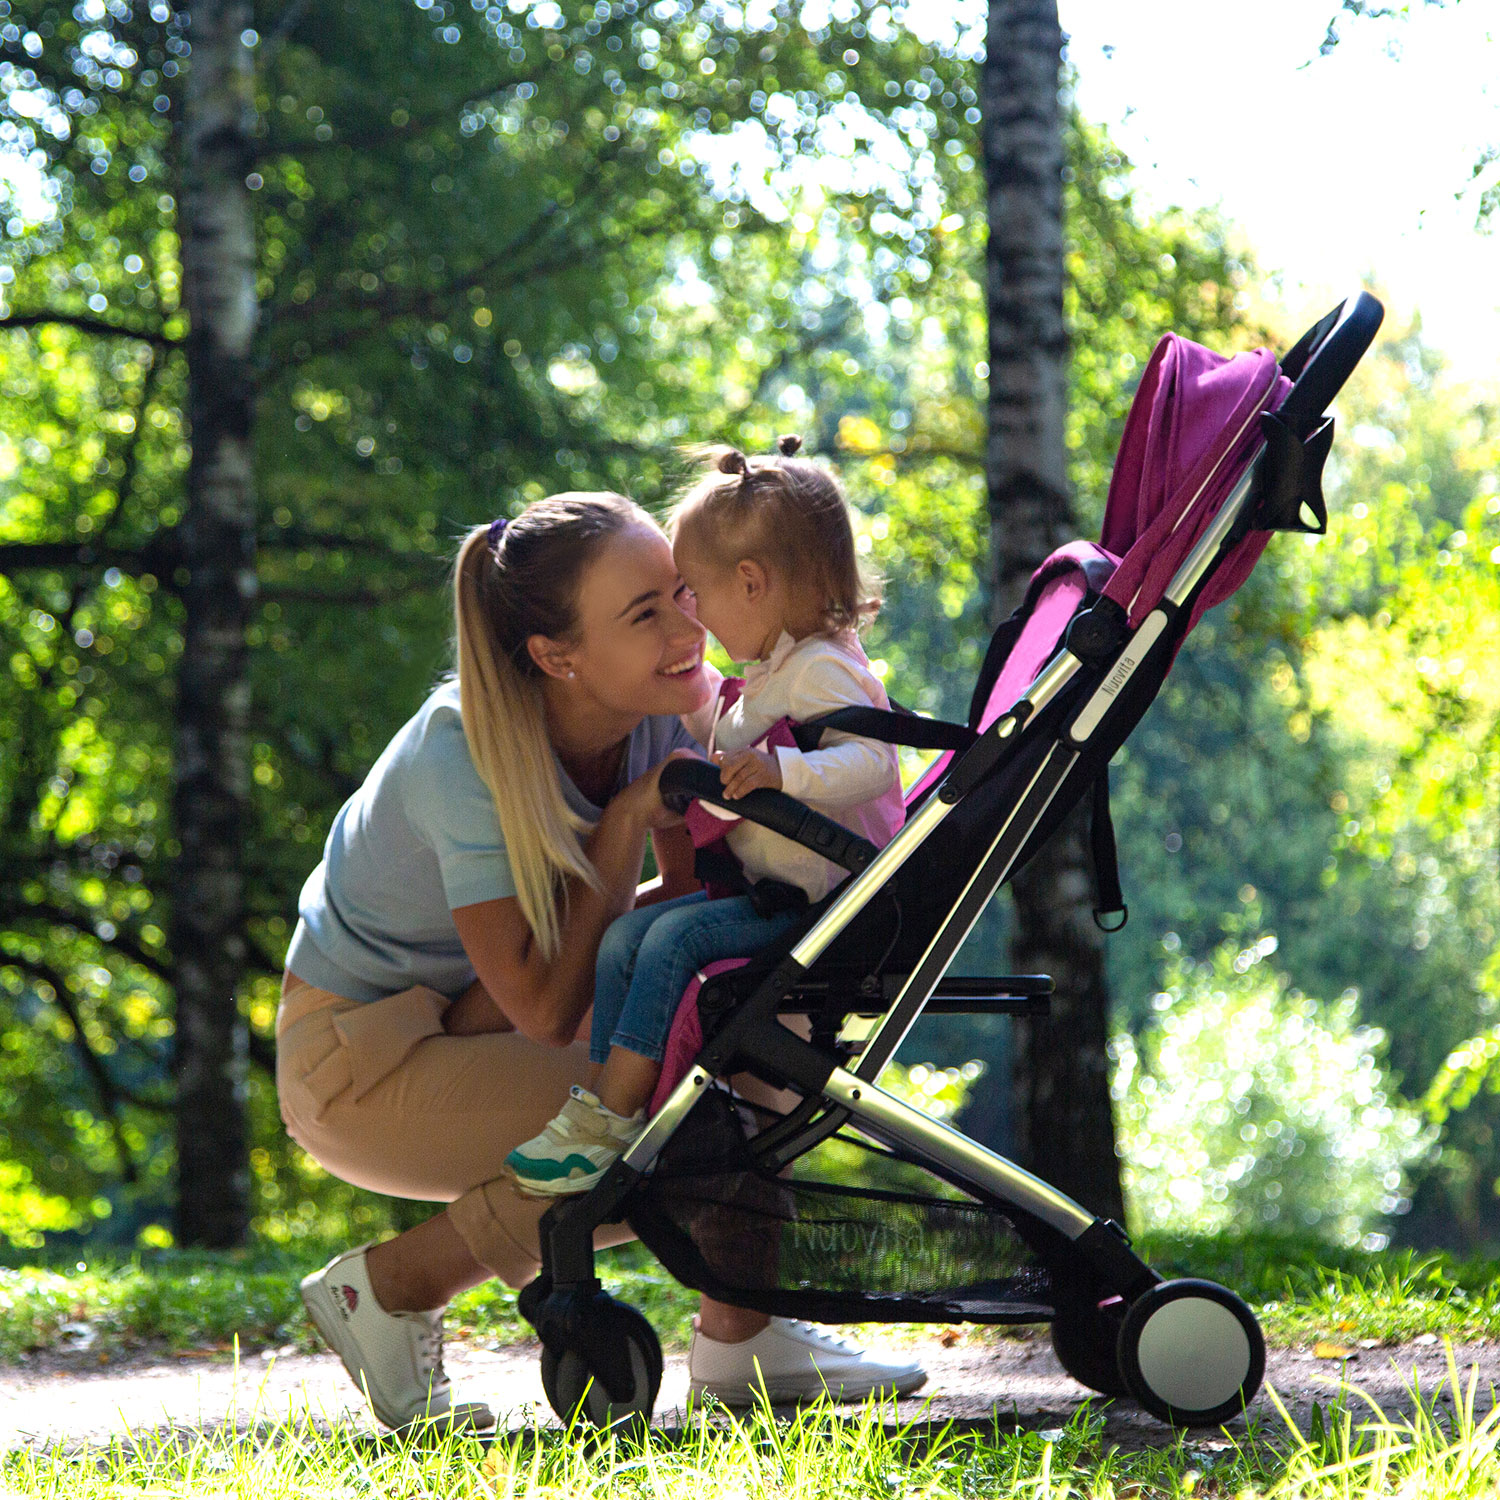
(395, 1358)
(795, 1362)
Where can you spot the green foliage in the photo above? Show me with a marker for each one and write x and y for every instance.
(1246, 1104)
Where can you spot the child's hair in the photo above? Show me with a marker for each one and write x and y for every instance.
(513, 580)
(789, 515)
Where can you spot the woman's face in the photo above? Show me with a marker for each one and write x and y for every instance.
(638, 649)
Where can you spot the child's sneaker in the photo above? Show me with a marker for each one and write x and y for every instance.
(575, 1150)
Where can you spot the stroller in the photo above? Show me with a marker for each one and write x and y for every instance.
(778, 1209)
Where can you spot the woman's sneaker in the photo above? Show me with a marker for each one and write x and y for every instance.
(795, 1362)
(395, 1358)
(575, 1150)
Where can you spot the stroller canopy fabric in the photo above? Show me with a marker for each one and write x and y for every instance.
(1192, 428)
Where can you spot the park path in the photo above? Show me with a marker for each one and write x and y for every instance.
(65, 1401)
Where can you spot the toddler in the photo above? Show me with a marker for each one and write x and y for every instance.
(766, 547)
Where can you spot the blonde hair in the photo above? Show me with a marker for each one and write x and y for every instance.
(787, 514)
(513, 580)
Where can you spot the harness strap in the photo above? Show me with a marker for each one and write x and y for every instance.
(1108, 895)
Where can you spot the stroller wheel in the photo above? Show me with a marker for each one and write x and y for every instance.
(574, 1391)
(1191, 1353)
(1085, 1338)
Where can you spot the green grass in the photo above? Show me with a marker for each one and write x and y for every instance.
(179, 1300)
(1351, 1451)
(1302, 1290)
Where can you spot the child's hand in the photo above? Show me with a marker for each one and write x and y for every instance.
(747, 769)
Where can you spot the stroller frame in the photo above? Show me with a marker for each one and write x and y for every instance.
(1190, 1351)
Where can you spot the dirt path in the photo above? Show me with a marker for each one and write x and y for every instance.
(66, 1401)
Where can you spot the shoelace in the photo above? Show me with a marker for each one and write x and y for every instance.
(843, 1346)
(431, 1343)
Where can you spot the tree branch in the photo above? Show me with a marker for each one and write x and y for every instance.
(354, 598)
(290, 539)
(19, 557)
(109, 1092)
(124, 943)
(91, 325)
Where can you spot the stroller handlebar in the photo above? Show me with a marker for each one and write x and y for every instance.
(683, 781)
(1324, 357)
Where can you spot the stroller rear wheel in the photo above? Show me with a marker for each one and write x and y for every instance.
(1191, 1353)
(1085, 1338)
(574, 1391)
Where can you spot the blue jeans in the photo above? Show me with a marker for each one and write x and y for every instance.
(648, 957)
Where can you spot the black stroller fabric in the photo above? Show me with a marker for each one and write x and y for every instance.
(830, 1252)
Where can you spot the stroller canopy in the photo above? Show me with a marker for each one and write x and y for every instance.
(1192, 428)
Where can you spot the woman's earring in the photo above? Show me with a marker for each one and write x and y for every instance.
(572, 674)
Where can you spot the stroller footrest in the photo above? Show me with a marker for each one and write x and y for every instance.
(1000, 995)
(988, 1005)
(1005, 995)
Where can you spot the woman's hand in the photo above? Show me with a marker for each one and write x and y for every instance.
(475, 1012)
(642, 798)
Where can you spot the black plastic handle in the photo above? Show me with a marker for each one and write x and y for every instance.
(683, 780)
(1324, 357)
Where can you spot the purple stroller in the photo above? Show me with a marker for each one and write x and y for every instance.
(779, 1209)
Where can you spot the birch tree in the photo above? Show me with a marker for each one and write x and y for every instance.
(1064, 1124)
(216, 582)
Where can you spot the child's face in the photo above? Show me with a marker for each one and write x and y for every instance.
(731, 602)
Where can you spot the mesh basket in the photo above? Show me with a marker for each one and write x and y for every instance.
(830, 1251)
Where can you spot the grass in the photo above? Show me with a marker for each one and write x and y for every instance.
(1351, 1451)
(176, 1301)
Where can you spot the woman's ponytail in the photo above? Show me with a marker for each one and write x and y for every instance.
(510, 583)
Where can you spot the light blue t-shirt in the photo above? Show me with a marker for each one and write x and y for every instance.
(418, 839)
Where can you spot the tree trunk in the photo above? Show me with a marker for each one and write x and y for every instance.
(216, 583)
(1064, 1121)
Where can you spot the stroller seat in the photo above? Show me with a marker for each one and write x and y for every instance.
(844, 1202)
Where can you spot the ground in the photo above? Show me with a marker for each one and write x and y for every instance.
(70, 1400)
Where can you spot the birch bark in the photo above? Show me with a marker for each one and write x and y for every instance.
(1064, 1121)
(216, 584)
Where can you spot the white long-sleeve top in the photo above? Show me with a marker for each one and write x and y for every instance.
(853, 780)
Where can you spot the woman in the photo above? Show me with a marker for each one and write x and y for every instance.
(494, 840)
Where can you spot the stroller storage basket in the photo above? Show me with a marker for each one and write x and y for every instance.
(828, 1251)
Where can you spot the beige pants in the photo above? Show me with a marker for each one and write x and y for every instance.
(382, 1097)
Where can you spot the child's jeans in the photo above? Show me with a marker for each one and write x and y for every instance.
(649, 955)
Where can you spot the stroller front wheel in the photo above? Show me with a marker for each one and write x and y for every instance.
(1085, 1339)
(1191, 1353)
(575, 1392)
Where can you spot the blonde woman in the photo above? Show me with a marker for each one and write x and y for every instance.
(443, 963)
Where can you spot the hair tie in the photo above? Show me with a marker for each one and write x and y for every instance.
(734, 462)
(497, 530)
